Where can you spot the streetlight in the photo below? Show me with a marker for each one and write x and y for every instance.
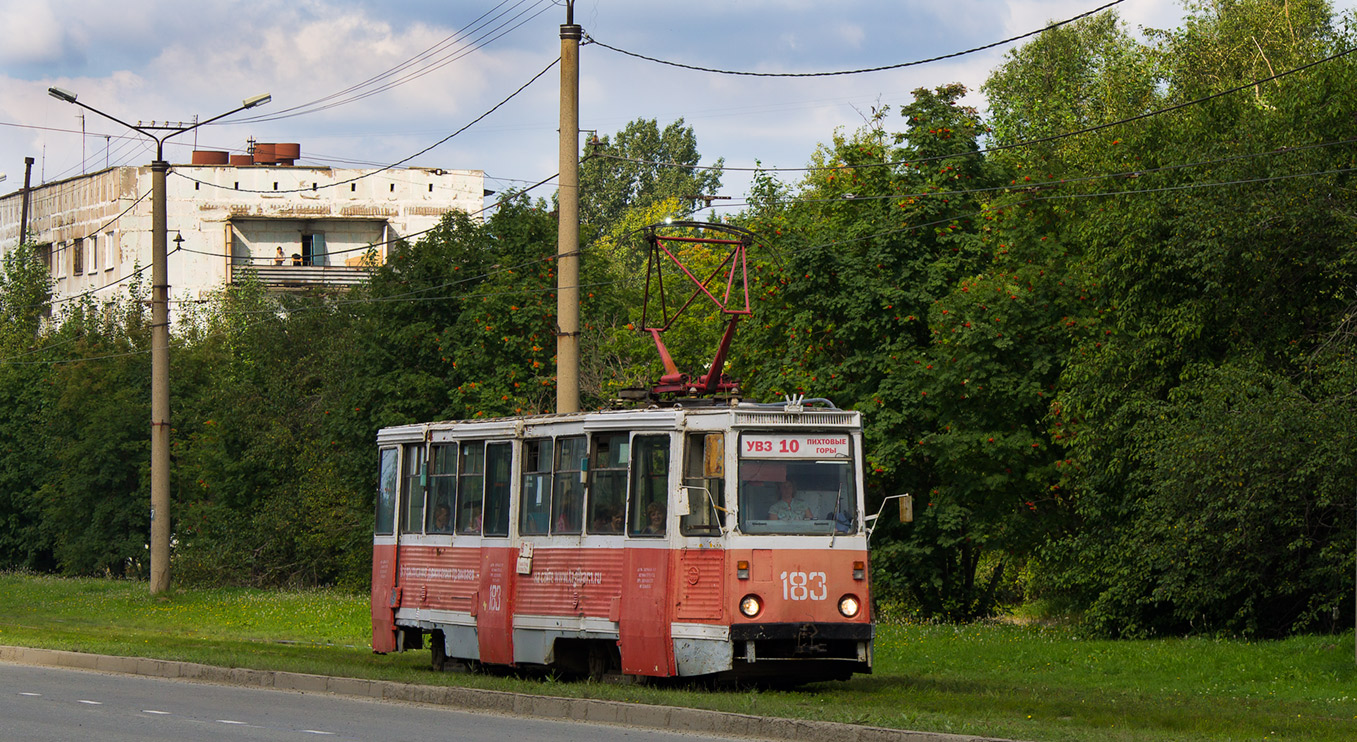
(160, 331)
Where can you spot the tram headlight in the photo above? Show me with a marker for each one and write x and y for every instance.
(750, 605)
(849, 606)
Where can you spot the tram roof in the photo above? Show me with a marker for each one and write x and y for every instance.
(651, 418)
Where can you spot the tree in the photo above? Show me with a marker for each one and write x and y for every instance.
(639, 167)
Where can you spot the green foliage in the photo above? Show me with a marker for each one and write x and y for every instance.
(639, 167)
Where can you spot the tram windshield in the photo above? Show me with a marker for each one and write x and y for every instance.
(797, 484)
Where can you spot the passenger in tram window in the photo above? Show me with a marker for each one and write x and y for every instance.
(655, 518)
(569, 520)
(791, 506)
(606, 520)
(442, 517)
(473, 523)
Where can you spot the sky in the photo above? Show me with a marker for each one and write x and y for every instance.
(169, 60)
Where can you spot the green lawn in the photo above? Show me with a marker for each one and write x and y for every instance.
(1027, 682)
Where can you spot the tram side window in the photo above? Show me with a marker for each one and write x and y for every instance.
(412, 489)
(387, 486)
(442, 483)
(567, 492)
(647, 507)
(471, 488)
(704, 478)
(608, 483)
(534, 512)
(499, 474)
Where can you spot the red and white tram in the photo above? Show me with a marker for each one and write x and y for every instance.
(652, 542)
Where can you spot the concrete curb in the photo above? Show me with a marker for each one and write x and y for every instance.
(671, 718)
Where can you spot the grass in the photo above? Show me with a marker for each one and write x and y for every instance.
(1028, 682)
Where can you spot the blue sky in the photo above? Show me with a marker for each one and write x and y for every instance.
(159, 60)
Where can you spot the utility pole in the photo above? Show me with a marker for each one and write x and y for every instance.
(23, 213)
(160, 328)
(568, 222)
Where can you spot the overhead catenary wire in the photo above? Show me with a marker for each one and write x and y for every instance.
(383, 81)
(1002, 147)
(395, 164)
(590, 40)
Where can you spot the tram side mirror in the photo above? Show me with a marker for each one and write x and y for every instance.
(906, 505)
(684, 506)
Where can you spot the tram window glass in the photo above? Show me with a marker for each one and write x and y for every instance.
(704, 476)
(567, 493)
(389, 481)
(498, 476)
(608, 483)
(471, 487)
(535, 510)
(797, 496)
(412, 489)
(647, 508)
(442, 483)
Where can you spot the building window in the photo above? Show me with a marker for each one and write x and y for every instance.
(108, 251)
(94, 253)
(78, 257)
(59, 258)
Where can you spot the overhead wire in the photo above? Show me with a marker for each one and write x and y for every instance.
(590, 40)
(1003, 147)
(334, 100)
(393, 165)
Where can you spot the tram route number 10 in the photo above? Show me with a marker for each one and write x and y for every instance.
(783, 445)
(804, 586)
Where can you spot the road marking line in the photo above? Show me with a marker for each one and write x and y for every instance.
(33, 695)
(228, 721)
(158, 713)
(316, 731)
(92, 703)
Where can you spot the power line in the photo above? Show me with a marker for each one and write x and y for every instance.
(590, 40)
(1000, 147)
(335, 99)
(393, 165)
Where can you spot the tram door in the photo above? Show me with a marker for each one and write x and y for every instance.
(494, 596)
(384, 554)
(644, 636)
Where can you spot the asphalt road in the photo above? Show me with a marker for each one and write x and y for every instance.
(44, 703)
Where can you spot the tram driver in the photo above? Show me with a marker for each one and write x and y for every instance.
(791, 506)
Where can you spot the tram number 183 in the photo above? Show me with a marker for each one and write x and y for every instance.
(804, 586)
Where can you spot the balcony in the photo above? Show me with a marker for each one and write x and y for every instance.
(299, 277)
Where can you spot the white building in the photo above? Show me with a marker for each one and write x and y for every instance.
(292, 226)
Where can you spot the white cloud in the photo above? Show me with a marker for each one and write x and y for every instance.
(33, 35)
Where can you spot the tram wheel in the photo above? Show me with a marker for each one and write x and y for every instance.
(602, 661)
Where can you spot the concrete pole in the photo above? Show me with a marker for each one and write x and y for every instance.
(23, 214)
(160, 382)
(568, 224)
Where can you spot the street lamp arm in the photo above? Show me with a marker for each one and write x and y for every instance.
(69, 97)
(257, 100)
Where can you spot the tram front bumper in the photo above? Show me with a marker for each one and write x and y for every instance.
(851, 642)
